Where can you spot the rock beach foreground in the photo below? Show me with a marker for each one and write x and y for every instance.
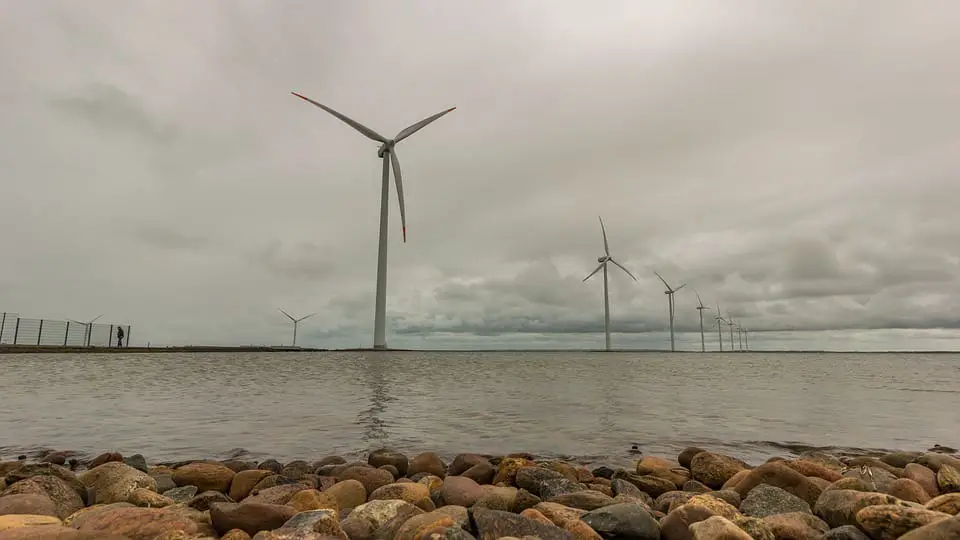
(699, 495)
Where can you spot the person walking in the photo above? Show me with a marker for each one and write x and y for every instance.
(119, 337)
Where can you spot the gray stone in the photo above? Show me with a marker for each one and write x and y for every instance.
(623, 520)
(765, 500)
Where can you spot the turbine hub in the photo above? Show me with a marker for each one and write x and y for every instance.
(385, 147)
(602, 259)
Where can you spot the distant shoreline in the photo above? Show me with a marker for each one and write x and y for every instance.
(58, 349)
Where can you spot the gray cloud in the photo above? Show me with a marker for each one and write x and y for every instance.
(795, 163)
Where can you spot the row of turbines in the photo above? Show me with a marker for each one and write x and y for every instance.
(606, 258)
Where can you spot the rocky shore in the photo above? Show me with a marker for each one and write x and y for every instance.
(699, 495)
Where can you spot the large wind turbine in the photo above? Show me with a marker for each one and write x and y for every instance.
(720, 322)
(389, 155)
(603, 266)
(700, 308)
(296, 322)
(670, 292)
(88, 328)
(731, 324)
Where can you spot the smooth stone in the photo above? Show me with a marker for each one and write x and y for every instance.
(181, 494)
(497, 524)
(908, 490)
(839, 507)
(27, 503)
(202, 501)
(244, 481)
(65, 499)
(948, 503)
(623, 521)
(714, 469)
(427, 462)
(531, 478)
(461, 491)
(206, 476)
(946, 529)
(846, 532)
(717, 528)
(137, 461)
(249, 517)
(889, 522)
(781, 476)
(146, 498)
(114, 481)
(923, 476)
(765, 500)
(136, 523)
(583, 500)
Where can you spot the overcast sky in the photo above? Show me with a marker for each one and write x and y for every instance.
(795, 161)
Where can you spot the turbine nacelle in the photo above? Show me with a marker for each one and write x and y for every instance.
(385, 147)
(603, 259)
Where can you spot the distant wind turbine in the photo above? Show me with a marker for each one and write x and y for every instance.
(746, 340)
(670, 292)
(88, 328)
(740, 335)
(720, 323)
(389, 155)
(603, 266)
(700, 308)
(731, 324)
(296, 322)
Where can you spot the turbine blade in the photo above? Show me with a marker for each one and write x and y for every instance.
(346, 120)
(93, 320)
(663, 280)
(699, 301)
(680, 287)
(624, 269)
(595, 270)
(289, 316)
(399, 181)
(410, 130)
(305, 317)
(606, 247)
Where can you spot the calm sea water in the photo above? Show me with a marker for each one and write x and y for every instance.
(588, 406)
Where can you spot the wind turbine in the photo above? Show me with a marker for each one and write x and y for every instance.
(389, 155)
(603, 265)
(746, 340)
(720, 323)
(740, 335)
(700, 308)
(296, 323)
(88, 327)
(670, 292)
(731, 324)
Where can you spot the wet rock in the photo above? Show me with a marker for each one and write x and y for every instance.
(783, 477)
(946, 529)
(203, 501)
(623, 521)
(619, 486)
(64, 498)
(686, 457)
(244, 481)
(136, 523)
(948, 479)
(603, 471)
(462, 462)
(583, 500)
(164, 482)
(900, 459)
(181, 494)
(908, 490)
(800, 525)
(370, 478)
(481, 473)
(250, 518)
(717, 528)
(271, 465)
(889, 522)
(206, 476)
(27, 503)
(461, 491)
(671, 499)
(676, 524)
(392, 470)
(846, 532)
(935, 460)
(295, 470)
(652, 485)
(765, 500)
(349, 493)
(714, 469)
(427, 462)
(114, 481)
(147, 498)
(508, 468)
(695, 487)
(106, 457)
(494, 524)
(839, 507)
(137, 461)
(386, 456)
(531, 478)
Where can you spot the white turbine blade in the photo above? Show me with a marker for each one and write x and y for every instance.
(597, 269)
(606, 247)
(289, 316)
(622, 268)
(399, 181)
(663, 280)
(410, 130)
(349, 121)
(699, 301)
(680, 287)
(93, 320)
(305, 317)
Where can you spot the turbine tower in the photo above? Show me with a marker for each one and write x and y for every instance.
(700, 308)
(731, 324)
(740, 336)
(389, 155)
(720, 323)
(296, 322)
(670, 292)
(603, 266)
(746, 340)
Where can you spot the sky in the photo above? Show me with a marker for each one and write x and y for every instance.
(795, 162)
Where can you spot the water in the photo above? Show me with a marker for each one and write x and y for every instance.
(587, 406)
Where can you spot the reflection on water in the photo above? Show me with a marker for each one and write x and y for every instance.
(593, 406)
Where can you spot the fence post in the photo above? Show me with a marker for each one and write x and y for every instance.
(110, 338)
(3, 326)
(128, 334)
(16, 330)
(66, 334)
(40, 332)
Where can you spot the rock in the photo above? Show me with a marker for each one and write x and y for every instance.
(945, 529)
(461, 491)
(758, 529)
(603, 472)
(370, 478)
(717, 506)
(181, 494)
(508, 468)
(923, 476)
(147, 498)
(205, 475)
(554, 487)
(275, 495)
(523, 500)
(379, 512)
(531, 478)
(244, 481)
(948, 504)
(497, 498)
(136, 523)
(427, 462)
(727, 495)
(889, 522)
(462, 462)
(735, 479)
(203, 501)
(676, 524)
(619, 486)
(64, 498)
(839, 507)
(810, 468)
(412, 493)
(137, 461)
(558, 513)
(765, 500)
(686, 457)
(311, 499)
(235, 534)
(532, 513)
(416, 526)
(57, 532)
(695, 487)
(623, 521)
(565, 469)
(846, 532)
(900, 459)
(795, 525)
(935, 460)
(107, 457)
(320, 521)
(164, 482)
(717, 528)
(671, 499)
(850, 483)
(649, 464)
(27, 503)
(714, 469)
(114, 481)
(781, 476)
(434, 483)
(877, 478)
(652, 485)
(392, 470)
(583, 500)
(481, 473)
(348, 493)
(13, 521)
(271, 465)
(948, 479)
(295, 470)
(251, 518)
(908, 490)
(494, 524)
(386, 456)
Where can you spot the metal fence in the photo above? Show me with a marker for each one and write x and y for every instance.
(17, 330)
